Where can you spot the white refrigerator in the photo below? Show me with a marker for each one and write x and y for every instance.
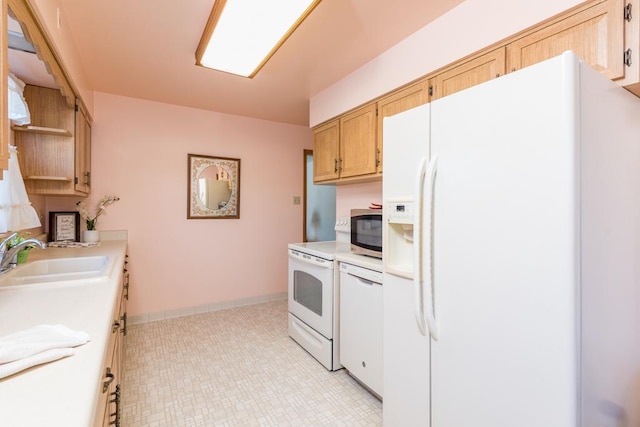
(511, 284)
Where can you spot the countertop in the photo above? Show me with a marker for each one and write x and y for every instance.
(64, 392)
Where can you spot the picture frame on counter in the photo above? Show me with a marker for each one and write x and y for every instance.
(64, 226)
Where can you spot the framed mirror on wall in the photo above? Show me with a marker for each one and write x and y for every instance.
(213, 187)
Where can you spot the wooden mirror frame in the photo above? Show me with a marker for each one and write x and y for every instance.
(196, 209)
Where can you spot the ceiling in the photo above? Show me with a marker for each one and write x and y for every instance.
(146, 49)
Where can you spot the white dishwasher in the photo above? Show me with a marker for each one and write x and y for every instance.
(361, 324)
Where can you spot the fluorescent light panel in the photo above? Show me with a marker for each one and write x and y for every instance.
(242, 35)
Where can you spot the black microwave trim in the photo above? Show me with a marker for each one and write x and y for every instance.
(365, 216)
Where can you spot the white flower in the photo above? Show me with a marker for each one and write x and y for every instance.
(93, 219)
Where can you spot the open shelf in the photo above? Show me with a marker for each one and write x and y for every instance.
(49, 178)
(42, 130)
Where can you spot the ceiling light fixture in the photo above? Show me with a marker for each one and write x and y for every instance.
(241, 35)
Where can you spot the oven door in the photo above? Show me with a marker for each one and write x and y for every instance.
(311, 291)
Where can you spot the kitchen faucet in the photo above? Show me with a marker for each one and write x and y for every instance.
(6, 255)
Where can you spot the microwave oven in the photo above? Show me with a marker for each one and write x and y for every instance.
(366, 232)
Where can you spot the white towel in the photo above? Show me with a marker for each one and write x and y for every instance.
(7, 369)
(40, 344)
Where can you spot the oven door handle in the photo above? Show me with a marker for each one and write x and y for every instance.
(318, 262)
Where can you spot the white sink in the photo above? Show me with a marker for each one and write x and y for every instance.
(59, 270)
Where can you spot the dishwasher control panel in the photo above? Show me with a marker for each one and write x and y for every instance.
(363, 273)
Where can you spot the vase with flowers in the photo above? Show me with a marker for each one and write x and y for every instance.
(93, 235)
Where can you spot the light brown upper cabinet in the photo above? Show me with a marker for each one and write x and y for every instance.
(631, 79)
(473, 72)
(595, 34)
(604, 33)
(47, 146)
(55, 148)
(4, 75)
(397, 102)
(358, 147)
(345, 149)
(83, 151)
(326, 151)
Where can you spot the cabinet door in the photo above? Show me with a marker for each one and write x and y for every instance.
(326, 139)
(46, 146)
(83, 151)
(473, 72)
(595, 34)
(4, 72)
(631, 79)
(358, 142)
(109, 401)
(398, 102)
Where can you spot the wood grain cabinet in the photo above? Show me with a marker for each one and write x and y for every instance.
(470, 73)
(594, 33)
(349, 148)
(326, 151)
(631, 80)
(345, 149)
(55, 148)
(604, 33)
(358, 144)
(110, 389)
(404, 99)
(82, 179)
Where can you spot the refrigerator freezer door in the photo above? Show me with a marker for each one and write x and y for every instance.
(505, 251)
(406, 350)
(405, 358)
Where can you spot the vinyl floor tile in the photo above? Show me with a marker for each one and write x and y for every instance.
(236, 367)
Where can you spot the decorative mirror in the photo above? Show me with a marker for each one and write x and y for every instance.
(214, 187)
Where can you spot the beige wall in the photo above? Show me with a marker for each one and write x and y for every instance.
(140, 154)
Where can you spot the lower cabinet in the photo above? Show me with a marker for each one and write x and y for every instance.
(110, 389)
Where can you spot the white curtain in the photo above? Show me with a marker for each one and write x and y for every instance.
(16, 212)
(18, 109)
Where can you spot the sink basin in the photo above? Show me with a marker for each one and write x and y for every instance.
(60, 269)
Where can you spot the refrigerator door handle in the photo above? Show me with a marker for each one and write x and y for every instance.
(427, 293)
(417, 247)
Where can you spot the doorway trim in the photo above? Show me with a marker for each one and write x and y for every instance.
(304, 193)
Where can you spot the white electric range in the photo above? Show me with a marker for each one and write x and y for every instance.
(314, 299)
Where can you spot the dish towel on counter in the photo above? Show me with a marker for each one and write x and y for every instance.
(40, 344)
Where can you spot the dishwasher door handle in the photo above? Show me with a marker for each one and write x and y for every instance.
(362, 280)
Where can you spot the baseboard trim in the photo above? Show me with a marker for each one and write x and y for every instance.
(191, 311)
